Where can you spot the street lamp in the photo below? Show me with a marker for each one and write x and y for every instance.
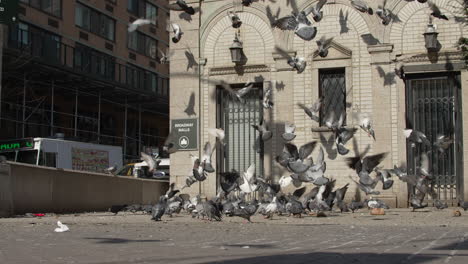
(430, 37)
(236, 50)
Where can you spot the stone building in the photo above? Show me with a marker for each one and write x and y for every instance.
(357, 75)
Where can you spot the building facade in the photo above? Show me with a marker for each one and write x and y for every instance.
(72, 67)
(356, 77)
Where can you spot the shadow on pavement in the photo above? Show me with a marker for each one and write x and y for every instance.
(110, 240)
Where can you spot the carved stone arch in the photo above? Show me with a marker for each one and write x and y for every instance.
(253, 15)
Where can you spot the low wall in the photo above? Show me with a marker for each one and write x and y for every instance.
(27, 188)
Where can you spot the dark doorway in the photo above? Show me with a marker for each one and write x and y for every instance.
(434, 107)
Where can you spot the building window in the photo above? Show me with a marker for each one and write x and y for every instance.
(142, 8)
(142, 44)
(95, 22)
(52, 7)
(333, 89)
(91, 61)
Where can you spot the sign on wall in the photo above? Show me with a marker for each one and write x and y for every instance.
(8, 11)
(185, 133)
(16, 144)
(90, 160)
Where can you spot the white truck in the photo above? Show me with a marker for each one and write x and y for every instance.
(60, 153)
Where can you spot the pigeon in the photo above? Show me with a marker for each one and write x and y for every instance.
(436, 12)
(211, 210)
(463, 204)
(361, 6)
(297, 63)
(317, 12)
(112, 170)
(364, 166)
(267, 103)
(415, 136)
(206, 158)
(236, 21)
(177, 32)
(239, 93)
(190, 109)
(342, 136)
(288, 134)
(229, 181)
(389, 78)
(443, 142)
(115, 209)
(353, 206)
(169, 147)
(323, 45)
(376, 203)
(181, 5)
(383, 13)
(424, 168)
(249, 182)
(306, 198)
(262, 128)
(367, 189)
(339, 198)
(152, 165)
(218, 133)
(172, 191)
(343, 20)
(285, 181)
(298, 23)
(317, 170)
(165, 56)
(159, 208)
(365, 124)
(319, 202)
(440, 205)
(293, 206)
(384, 175)
(313, 111)
(139, 22)
(299, 165)
(246, 211)
(61, 227)
(271, 208)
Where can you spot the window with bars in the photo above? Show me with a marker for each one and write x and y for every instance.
(332, 87)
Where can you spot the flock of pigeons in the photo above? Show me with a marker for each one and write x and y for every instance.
(235, 186)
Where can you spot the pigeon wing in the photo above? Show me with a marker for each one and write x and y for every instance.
(286, 23)
(306, 150)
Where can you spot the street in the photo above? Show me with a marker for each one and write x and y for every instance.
(400, 236)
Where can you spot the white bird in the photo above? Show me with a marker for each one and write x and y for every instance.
(284, 181)
(139, 22)
(218, 133)
(177, 32)
(149, 161)
(112, 170)
(249, 184)
(267, 103)
(165, 57)
(61, 228)
(271, 208)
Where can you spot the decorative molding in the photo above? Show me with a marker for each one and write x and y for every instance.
(235, 70)
(345, 53)
(380, 48)
(427, 57)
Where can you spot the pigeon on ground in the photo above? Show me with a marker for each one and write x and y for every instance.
(267, 102)
(176, 29)
(288, 134)
(415, 136)
(61, 227)
(339, 198)
(323, 45)
(376, 203)
(299, 23)
(463, 204)
(440, 205)
(246, 211)
(314, 110)
(181, 5)
(297, 63)
(137, 23)
(272, 208)
(293, 206)
(353, 206)
(159, 208)
(235, 19)
(436, 12)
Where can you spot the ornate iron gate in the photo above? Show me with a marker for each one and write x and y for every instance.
(434, 108)
(236, 119)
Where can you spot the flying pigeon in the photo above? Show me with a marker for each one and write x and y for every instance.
(415, 136)
(206, 158)
(181, 5)
(443, 142)
(365, 188)
(300, 163)
(365, 124)
(424, 168)
(436, 12)
(285, 181)
(165, 57)
(229, 181)
(323, 45)
(218, 133)
(297, 63)
(61, 227)
(339, 198)
(169, 146)
(383, 13)
(313, 111)
(172, 191)
(317, 12)
(342, 136)
(152, 164)
(262, 128)
(267, 103)
(363, 167)
(288, 134)
(299, 24)
(139, 22)
(177, 32)
(237, 94)
(249, 182)
(384, 175)
(236, 21)
(361, 6)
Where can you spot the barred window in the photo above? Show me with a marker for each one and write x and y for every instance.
(333, 89)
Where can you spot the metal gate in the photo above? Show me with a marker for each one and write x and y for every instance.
(236, 119)
(434, 108)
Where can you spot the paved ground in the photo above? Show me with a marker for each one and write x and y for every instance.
(400, 236)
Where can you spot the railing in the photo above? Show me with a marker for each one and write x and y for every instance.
(84, 60)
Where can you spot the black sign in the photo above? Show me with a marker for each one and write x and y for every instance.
(16, 144)
(8, 11)
(185, 133)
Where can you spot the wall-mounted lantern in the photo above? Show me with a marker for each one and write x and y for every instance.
(430, 37)
(236, 50)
